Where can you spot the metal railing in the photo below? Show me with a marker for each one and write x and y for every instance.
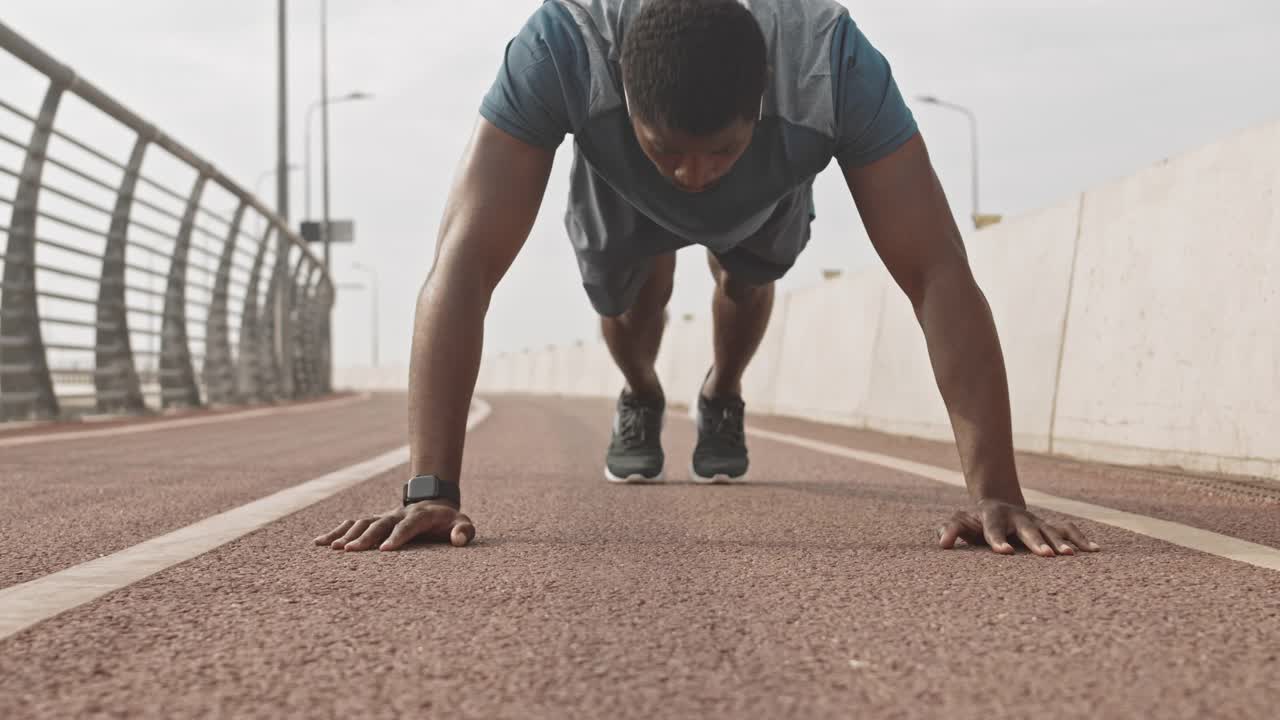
(144, 297)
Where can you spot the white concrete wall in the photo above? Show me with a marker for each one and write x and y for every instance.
(526, 367)
(1024, 269)
(543, 373)
(369, 378)
(573, 360)
(579, 382)
(684, 358)
(827, 348)
(562, 367)
(760, 382)
(901, 394)
(506, 376)
(603, 376)
(1173, 335)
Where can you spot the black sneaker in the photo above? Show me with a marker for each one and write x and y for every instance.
(721, 453)
(635, 452)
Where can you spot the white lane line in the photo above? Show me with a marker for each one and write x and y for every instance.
(1223, 546)
(143, 427)
(22, 606)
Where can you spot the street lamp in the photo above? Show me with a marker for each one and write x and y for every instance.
(373, 292)
(979, 220)
(325, 101)
(357, 95)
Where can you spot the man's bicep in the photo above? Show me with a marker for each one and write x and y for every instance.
(906, 214)
(493, 203)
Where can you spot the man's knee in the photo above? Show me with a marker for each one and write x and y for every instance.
(735, 287)
(652, 298)
(662, 279)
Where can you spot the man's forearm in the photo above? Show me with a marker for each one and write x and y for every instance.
(448, 336)
(969, 367)
(492, 206)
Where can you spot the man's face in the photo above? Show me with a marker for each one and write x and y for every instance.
(694, 163)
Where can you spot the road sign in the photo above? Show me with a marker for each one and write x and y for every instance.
(340, 231)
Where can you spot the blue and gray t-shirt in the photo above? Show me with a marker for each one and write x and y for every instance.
(830, 94)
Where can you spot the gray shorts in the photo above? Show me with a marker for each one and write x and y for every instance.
(615, 244)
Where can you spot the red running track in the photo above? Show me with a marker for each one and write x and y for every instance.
(815, 588)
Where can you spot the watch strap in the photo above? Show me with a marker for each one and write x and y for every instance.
(431, 487)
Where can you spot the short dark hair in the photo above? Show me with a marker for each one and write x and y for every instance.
(694, 65)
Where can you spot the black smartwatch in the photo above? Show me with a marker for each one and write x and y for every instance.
(431, 487)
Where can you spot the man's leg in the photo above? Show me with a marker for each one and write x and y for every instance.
(740, 315)
(634, 336)
(635, 451)
(627, 263)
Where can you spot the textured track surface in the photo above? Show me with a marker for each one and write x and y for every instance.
(73, 500)
(815, 588)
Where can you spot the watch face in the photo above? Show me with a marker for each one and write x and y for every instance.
(429, 487)
(422, 487)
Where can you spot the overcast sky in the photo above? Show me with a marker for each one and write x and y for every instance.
(1069, 94)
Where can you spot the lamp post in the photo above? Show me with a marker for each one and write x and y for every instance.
(357, 95)
(979, 220)
(257, 185)
(324, 122)
(324, 102)
(373, 294)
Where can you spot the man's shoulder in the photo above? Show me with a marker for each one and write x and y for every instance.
(794, 18)
(552, 25)
(799, 37)
(541, 90)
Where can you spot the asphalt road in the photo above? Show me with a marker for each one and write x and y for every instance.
(814, 589)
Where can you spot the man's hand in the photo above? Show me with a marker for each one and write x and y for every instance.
(428, 520)
(995, 522)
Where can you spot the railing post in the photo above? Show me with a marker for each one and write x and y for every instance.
(284, 328)
(250, 374)
(325, 310)
(297, 327)
(315, 332)
(26, 387)
(268, 359)
(177, 376)
(219, 374)
(314, 358)
(285, 331)
(116, 382)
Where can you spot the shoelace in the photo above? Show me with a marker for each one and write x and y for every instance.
(727, 424)
(634, 425)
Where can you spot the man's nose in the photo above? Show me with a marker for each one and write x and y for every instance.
(694, 172)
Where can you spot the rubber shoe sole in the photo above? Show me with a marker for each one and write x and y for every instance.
(633, 478)
(717, 479)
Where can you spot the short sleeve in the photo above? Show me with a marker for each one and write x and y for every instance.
(872, 118)
(527, 98)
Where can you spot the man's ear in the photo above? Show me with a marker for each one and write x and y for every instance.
(768, 80)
